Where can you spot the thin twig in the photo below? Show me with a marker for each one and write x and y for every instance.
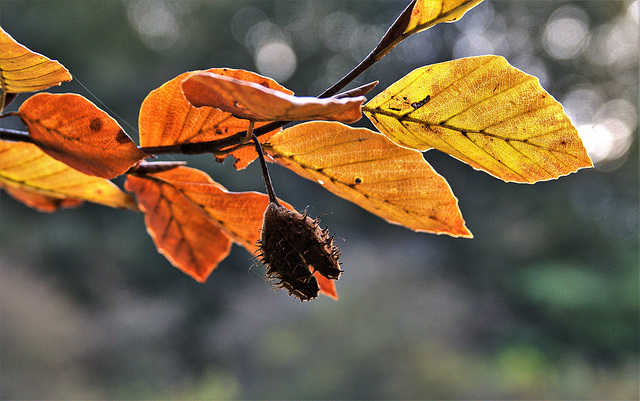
(265, 172)
(14, 135)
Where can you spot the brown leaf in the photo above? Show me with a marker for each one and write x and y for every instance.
(46, 184)
(22, 70)
(366, 168)
(167, 118)
(255, 102)
(73, 130)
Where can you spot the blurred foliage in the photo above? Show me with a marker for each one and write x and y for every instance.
(542, 303)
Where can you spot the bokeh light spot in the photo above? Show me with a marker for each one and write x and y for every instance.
(276, 60)
(565, 34)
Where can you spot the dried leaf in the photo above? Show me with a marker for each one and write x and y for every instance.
(22, 70)
(194, 203)
(193, 220)
(368, 169)
(73, 130)
(484, 112)
(181, 230)
(255, 102)
(167, 118)
(47, 184)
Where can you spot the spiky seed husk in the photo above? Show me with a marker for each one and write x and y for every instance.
(293, 246)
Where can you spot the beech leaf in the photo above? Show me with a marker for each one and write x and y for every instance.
(167, 118)
(427, 13)
(73, 130)
(418, 16)
(41, 202)
(255, 102)
(181, 230)
(40, 181)
(193, 220)
(22, 70)
(484, 112)
(366, 168)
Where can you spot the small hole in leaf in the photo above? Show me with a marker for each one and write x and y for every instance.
(358, 180)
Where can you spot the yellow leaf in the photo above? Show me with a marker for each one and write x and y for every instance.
(22, 70)
(418, 16)
(484, 112)
(368, 169)
(25, 170)
(73, 130)
(255, 102)
(427, 13)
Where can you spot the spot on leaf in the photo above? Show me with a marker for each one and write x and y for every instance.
(417, 105)
(95, 125)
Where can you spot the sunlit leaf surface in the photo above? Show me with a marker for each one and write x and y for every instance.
(193, 220)
(47, 184)
(484, 112)
(167, 118)
(366, 168)
(73, 130)
(22, 70)
(248, 100)
(181, 230)
(427, 13)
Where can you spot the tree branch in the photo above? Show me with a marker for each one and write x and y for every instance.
(14, 135)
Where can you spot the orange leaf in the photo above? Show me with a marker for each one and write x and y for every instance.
(366, 168)
(41, 202)
(46, 184)
(73, 130)
(484, 112)
(255, 102)
(182, 231)
(327, 286)
(183, 204)
(22, 70)
(167, 118)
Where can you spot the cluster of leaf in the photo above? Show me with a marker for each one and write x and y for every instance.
(480, 110)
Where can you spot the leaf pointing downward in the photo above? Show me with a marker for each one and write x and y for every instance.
(193, 220)
(484, 112)
(366, 168)
(182, 231)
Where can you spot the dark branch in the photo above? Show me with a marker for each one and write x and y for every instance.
(14, 135)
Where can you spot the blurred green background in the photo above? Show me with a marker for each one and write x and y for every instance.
(541, 304)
